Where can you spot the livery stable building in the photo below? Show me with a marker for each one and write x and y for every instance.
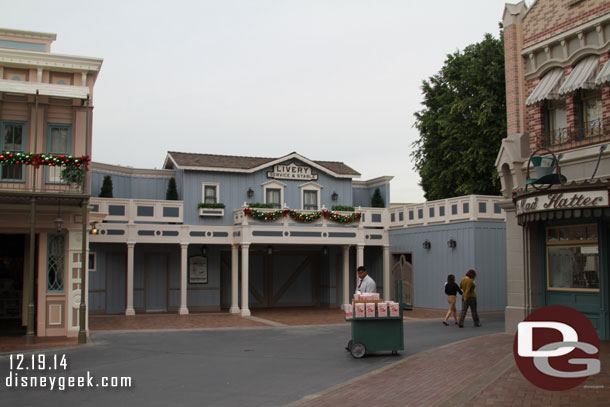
(216, 248)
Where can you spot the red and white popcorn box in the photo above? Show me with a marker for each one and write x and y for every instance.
(375, 296)
(356, 296)
(394, 310)
(349, 311)
(370, 310)
(359, 309)
(382, 309)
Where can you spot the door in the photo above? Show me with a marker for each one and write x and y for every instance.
(402, 269)
(156, 282)
(116, 276)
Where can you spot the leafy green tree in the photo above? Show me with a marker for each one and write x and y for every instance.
(462, 123)
(377, 200)
(172, 192)
(106, 191)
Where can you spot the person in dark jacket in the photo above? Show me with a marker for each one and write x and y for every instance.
(451, 289)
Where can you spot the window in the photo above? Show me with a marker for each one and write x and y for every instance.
(591, 107)
(210, 193)
(14, 136)
(556, 122)
(572, 258)
(59, 141)
(55, 263)
(273, 196)
(310, 200)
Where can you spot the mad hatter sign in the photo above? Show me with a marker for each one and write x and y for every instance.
(563, 200)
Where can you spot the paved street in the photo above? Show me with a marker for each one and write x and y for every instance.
(270, 366)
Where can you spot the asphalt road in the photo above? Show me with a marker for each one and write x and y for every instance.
(223, 367)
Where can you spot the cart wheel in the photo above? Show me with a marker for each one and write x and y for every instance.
(358, 350)
(349, 345)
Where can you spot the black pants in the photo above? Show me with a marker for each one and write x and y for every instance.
(472, 303)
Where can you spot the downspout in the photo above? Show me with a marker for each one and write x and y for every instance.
(30, 334)
(82, 311)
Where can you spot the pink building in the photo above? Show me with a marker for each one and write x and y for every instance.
(46, 101)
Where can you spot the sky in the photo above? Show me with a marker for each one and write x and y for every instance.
(333, 80)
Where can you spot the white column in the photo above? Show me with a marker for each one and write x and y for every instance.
(386, 273)
(346, 296)
(245, 311)
(129, 308)
(183, 272)
(234, 279)
(359, 257)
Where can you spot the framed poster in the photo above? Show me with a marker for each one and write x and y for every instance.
(198, 270)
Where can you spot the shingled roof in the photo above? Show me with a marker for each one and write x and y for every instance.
(214, 162)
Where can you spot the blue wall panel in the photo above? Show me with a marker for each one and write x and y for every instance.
(480, 245)
(130, 187)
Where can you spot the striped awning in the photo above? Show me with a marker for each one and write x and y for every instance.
(604, 74)
(547, 87)
(582, 76)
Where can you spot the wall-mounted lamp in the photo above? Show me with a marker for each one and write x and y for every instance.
(325, 250)
(94, 230)
(58, 221)
(269, 249)
(452, 243)
(250, 193)
(334, 196)
(204, 250)
(427, 245)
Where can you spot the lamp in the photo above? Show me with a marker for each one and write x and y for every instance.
(427, 245)
(325, 250)
(204, 250)
(334, 196)
(250, 193)
(452, 243)
(94, 228)
(269, 249)
(58, 221)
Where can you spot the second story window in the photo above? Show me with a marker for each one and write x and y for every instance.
(59, 140)
(13, 139)
(310, 200)
(591, 107)
(556, 122)
(210, 193)
(273, 196)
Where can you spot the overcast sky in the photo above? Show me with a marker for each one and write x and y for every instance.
(335, 80)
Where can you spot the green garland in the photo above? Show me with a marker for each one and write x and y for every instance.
(62, 160)
(301, 217)
(264, 216)
(305, 217)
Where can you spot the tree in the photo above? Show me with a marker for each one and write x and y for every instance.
(172, 191)
(377, 200)
(106, 191)
(463, 122)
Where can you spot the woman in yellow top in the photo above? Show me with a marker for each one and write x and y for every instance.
(469, 298)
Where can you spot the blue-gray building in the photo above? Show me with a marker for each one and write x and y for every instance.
(251, 232)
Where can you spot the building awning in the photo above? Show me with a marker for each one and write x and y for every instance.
(582, 76)
(44, 89)
(547, 87)
(604, 74)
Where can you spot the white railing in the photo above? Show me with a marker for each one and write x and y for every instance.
(138, 210)
(459, 209)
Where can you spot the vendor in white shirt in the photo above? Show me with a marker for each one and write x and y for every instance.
(365, 283)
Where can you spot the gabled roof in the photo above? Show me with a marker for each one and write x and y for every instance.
(231, 163)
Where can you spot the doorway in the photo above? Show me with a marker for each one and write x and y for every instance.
(12, 253)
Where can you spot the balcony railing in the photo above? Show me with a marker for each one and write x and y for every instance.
(590, 132)
(138, 210)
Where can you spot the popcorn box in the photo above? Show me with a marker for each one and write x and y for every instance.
(382, 309)
(375, 296)
(356, 296)
(349, 311)
(359, 310)
(370, 310)
(394, 311)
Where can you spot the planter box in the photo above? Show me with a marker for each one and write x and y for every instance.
(211, 212)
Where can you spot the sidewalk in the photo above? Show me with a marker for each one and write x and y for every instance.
(476, 372)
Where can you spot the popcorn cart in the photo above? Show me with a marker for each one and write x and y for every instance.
(377, 326)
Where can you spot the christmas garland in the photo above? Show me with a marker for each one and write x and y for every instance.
(301, 217)
(63, 160)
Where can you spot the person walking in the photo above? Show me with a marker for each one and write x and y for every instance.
(469, 298)
(365, 283)
(451, 289)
